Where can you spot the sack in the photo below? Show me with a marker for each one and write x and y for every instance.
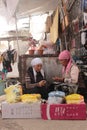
(13, 93)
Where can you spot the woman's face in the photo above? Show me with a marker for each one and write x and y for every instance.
(38, 67)
(64, 62)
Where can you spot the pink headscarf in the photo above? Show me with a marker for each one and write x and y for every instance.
(65, 55)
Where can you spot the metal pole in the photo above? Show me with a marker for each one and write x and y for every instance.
(29, 22)
(17, 34)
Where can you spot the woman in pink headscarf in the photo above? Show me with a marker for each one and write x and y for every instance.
(70, 71)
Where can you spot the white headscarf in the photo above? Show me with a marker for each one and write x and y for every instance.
(36, 61)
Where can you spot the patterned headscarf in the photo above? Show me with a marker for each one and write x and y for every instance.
(65, 55)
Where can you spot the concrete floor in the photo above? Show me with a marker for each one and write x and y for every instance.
(40, 124)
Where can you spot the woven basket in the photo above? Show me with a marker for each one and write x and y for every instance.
(40, 52)
(31, 52)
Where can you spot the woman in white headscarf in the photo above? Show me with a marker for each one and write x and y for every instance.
(35, 78)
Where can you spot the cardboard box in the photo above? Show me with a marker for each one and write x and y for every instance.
(63, 111)
(21, 110)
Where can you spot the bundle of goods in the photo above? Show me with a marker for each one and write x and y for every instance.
(74, 107)
(74, 98)
(56, 97)
(30, 98)
(20, 106)
(13, 93)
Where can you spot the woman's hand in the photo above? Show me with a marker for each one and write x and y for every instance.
(58, 79)
(42, 83)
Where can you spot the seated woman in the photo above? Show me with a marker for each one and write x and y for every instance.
(70, 71)
(35, 79)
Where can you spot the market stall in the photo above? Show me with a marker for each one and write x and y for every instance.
(58, 106)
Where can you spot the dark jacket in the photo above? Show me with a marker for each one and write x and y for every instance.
(32, 85)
